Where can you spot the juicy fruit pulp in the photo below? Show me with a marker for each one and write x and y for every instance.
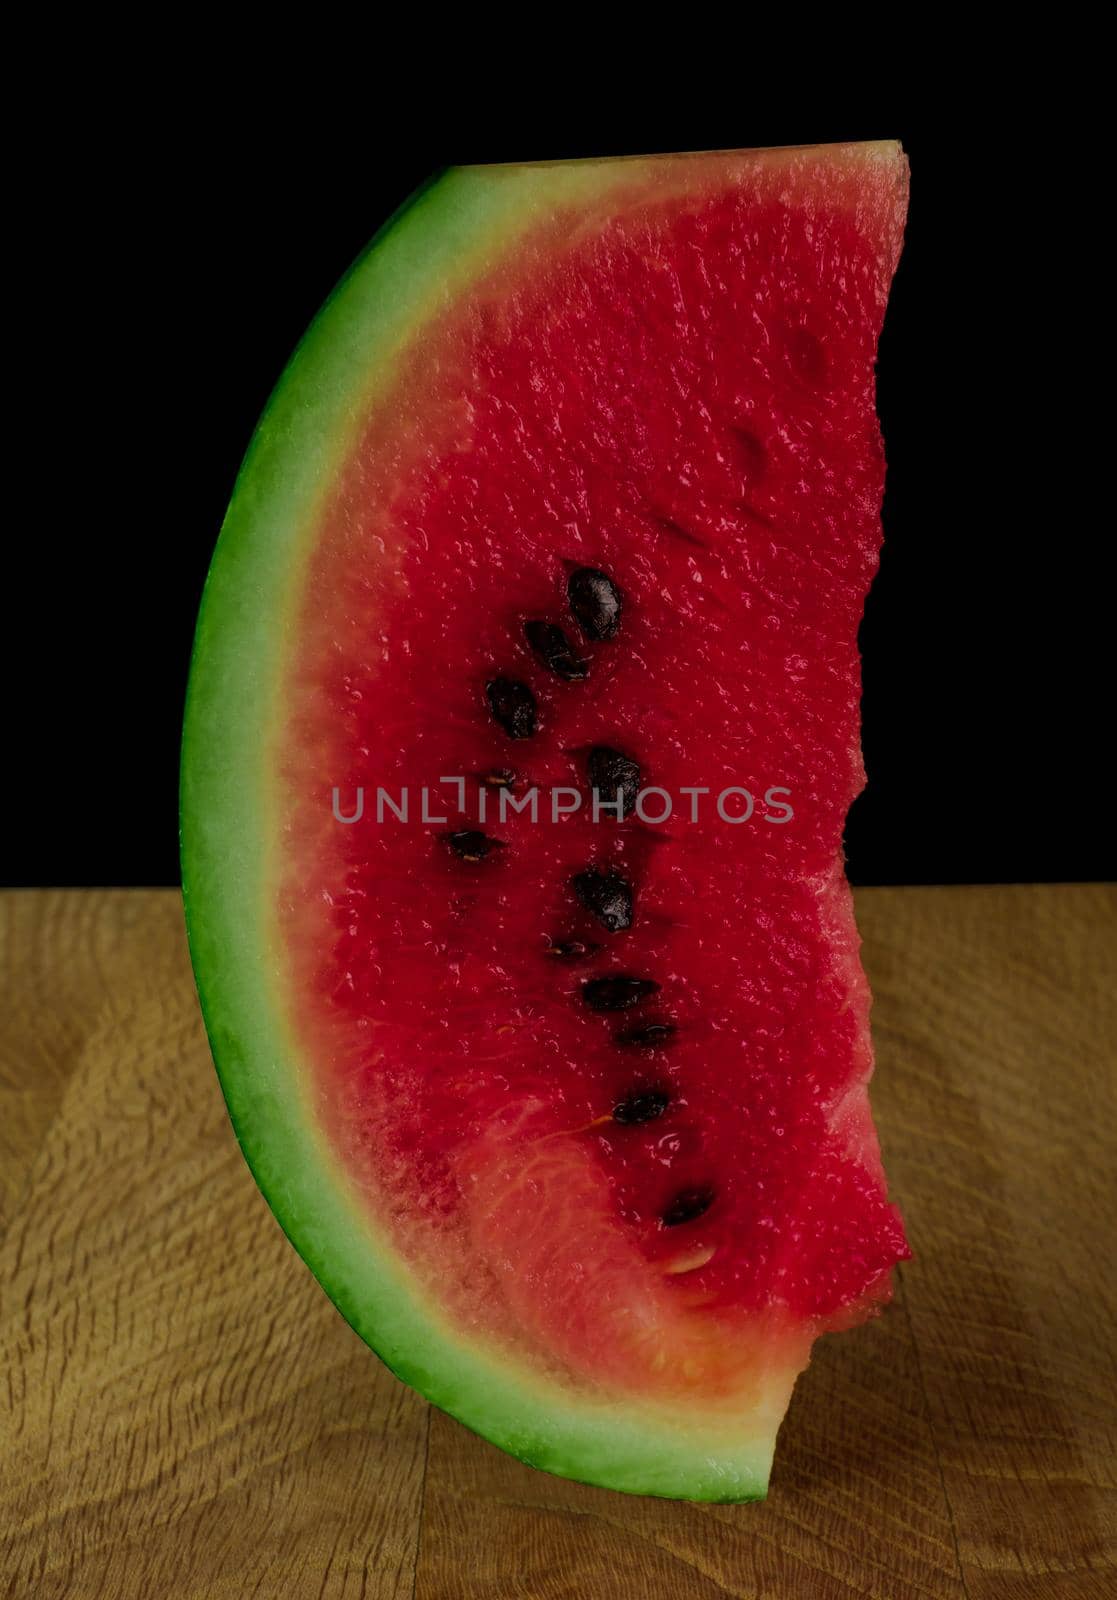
(609, 523)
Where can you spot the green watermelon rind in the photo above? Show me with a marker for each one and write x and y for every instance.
(231, 703)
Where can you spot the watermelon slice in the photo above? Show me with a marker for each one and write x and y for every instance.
(571, 491)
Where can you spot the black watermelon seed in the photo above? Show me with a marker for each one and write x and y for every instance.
(554, 650)
(647, 1036)
(618, 993)
(499, 778)
(470, 844)
(607, 895)
(687, 1205)
(572, 949)
(643, 1106)
(611, 773)
(595, 601)
(513, 705)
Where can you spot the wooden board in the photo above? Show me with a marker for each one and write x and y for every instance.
(182, 1413)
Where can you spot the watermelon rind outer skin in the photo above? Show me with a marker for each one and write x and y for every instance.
(454, 227)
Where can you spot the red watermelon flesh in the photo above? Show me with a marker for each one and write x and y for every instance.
(670, 383)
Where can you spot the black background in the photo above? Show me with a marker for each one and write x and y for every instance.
(176, 273)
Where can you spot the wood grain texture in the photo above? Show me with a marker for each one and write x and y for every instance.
(69, 963)
(183, 1413)
(188, 1414)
